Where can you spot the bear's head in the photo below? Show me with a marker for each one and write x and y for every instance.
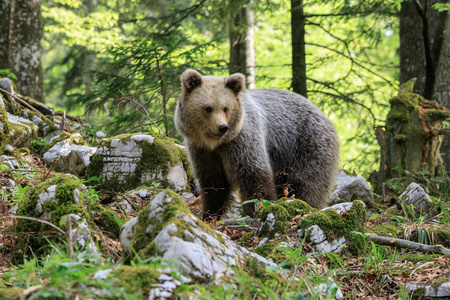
(210, 110)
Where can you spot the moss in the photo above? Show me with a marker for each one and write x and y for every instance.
(65, 204)
(283, 209)
(387, 230)
(4, 134)
(106, 219)
(10, 293)
(418, 294)
(335, 225)
(138, 279)
(440, 281)
(441, 236)
(155, 159)
(274, 251)
(418, 257)
(333, 260)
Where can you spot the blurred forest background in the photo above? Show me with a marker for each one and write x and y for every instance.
(117, 63)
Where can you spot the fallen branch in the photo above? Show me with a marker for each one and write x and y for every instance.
(24, 103)
(386, 241)
(240, 222)
(71, 118)
(37, 220)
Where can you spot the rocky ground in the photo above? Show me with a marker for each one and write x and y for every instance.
(119, 218)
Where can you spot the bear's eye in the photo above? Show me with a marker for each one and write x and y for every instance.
(208, 109)
(225, 109)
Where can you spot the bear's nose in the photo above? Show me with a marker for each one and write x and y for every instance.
(223, 129)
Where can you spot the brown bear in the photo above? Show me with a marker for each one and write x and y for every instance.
(264, 142)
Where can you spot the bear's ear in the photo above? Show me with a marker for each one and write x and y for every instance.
(191, 79)
(235, 82)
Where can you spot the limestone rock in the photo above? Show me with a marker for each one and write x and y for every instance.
(52, 200)
(176, 235)
(415, 195)
(131, 160)
(348, 217)
(351, 188)
(73, 158)
(22, 131)
(10, 161)
(438, 289)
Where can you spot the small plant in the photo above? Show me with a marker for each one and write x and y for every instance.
(7, 73)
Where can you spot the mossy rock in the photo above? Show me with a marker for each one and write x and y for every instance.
(283, 210)
(4, 129)
(335, 225)
(64, 203)
(143, 239)
(131, 160)
(22, 131)
(106, 220)
(137, 279)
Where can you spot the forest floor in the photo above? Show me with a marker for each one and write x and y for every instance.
(377, 272)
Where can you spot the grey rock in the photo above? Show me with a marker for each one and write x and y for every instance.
(188, 197)
(327, 289)
(9, 149)
(22, 131)
(351, 188)
(122, 161)
(200, 254)
(126, 235)
(177, 178)
(415, 195)
(100, 135)
(46, 196)
(11, 161)
(165, 289)
(319, 239)
(72, 158)
(434, 290)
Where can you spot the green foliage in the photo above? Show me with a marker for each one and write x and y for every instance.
(7, 73)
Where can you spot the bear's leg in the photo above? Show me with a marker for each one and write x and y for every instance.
(215, 189)
(252, 171)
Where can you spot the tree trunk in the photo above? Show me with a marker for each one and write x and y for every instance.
(20, 41)
(416, 55)
(412, 137)
(242, 50)
(298, 48)
(442, 87)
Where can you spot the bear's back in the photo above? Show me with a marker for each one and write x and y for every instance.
(293, 124)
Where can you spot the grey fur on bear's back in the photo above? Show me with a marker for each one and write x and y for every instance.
(298, 137)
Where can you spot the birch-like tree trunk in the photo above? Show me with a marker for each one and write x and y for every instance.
(20, 44)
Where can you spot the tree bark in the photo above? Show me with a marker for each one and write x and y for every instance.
(433, 82)
(20, 41)
(411, 139)
(242, 50)
(298, 48)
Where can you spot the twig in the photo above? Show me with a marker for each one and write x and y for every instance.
(234, 222)
(51, 169)
(29, 171)
(145, 110)
(69, 237)
(71, 118)
(386, 241)
(23, 102)
(62, 124)
(37, 220)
